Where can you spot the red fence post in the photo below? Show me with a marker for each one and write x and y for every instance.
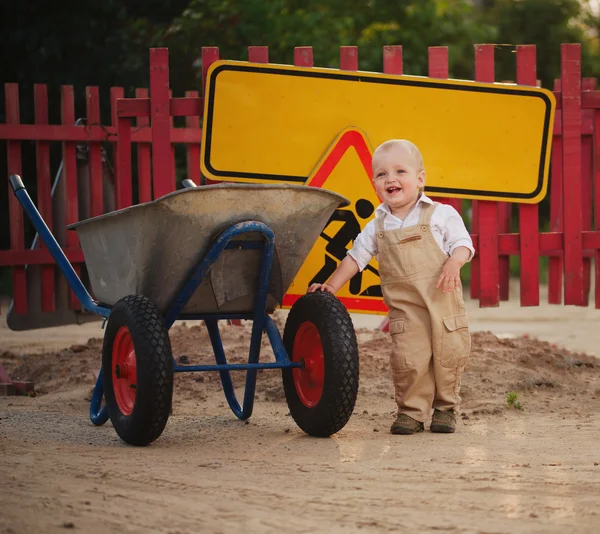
(67, 101)
(392, 64)
(438, 68)
(303, 56)
(210, 54)
(115, 94)
(44, 194)
(348, 57)
(597, 200)
(258, 54)
(392, 59)
(487, 224)
(528, 213)
(123, 189)
(193, 150)
(17, 233)
(587, 182)
(163, 180)
(571, 134)
(555, 263)
(92, 100)
(143, 156)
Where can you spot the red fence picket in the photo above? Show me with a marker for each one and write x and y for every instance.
(572, 242)
(529, 245)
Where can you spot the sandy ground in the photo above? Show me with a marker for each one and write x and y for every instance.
(529, 470)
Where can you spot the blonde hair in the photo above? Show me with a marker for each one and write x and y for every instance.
(406, 144)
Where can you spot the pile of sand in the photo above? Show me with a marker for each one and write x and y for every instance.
(544, 377)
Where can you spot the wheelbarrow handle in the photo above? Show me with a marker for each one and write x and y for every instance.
(54, 248)
(187, 183)
(16, 183)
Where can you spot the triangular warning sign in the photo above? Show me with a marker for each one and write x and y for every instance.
(345, 169)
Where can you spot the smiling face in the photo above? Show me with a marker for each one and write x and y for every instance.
(398, 176)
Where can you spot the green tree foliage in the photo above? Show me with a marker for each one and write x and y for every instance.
(544, 23)
(326, 25)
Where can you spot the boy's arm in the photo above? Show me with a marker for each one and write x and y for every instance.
(346, 270)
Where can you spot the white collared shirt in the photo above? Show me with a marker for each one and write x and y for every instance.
(447, 227)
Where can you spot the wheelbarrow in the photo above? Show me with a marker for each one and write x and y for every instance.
(210, 253)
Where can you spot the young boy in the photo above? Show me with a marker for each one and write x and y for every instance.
(421, 246)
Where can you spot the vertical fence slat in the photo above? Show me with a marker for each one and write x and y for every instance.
(597, 200)
(17, 231)
(210, 54)
(392, 59)
(92, 104)
(587, 183)
(487, 229)
(586, 212)
(303, 56)
(258, 54)
(143, 156)
(173, 157)
(115, 94)
(438, 68)
(44, 192)
(571, 134)
(193, 150)
(123, 176)
(67, 101)
(528, 213)
(349, 57)
(437, 61)
(163, 180)
(555, 263)
(504, 220)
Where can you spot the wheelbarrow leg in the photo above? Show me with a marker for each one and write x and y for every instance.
(98, 416)
(258, 325)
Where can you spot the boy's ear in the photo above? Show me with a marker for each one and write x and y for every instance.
(421, 178)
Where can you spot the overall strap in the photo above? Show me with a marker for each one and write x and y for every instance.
(426, 212)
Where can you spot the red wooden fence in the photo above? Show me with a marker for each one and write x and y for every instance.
(571, 244)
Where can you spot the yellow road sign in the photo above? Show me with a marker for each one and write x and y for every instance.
(348, 156)
(266, 122)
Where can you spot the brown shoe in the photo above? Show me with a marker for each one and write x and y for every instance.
(405, 424)
(443, 422)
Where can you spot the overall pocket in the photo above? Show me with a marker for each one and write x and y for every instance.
(456, 340)
(400, 357)
(407, 253)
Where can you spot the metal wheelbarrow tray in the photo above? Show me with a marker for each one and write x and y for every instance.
(149, 249)
(223, 251)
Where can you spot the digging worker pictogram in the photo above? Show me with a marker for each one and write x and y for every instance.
(337, 247)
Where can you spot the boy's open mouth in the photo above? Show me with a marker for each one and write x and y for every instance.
(393, 189)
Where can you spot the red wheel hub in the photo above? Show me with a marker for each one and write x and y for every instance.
(124, 376)
(309, 381)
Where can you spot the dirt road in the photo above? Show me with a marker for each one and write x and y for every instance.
(505, 470)
(518, 473)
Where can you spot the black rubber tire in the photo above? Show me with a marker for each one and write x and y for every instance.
(341, 366)
(154, 370)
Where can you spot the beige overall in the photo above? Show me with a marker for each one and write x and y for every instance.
(430, 337)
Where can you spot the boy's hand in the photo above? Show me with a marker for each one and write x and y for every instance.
(449, 280)
(321, 287)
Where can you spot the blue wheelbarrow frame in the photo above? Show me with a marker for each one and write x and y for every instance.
(261, 320)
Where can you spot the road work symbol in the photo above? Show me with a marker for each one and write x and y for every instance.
(339, 244)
